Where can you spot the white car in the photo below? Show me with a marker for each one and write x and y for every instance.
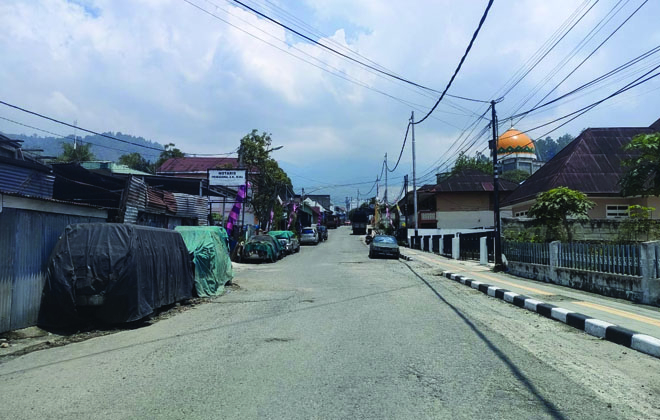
(309, 235)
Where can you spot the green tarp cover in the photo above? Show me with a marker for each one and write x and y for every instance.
(281, 234)
(262, 247)
(212, 264)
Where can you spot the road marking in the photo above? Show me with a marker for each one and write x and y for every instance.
(641, 318)
(529, 289)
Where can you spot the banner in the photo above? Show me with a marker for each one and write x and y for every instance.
(236, 210)
(291, 215)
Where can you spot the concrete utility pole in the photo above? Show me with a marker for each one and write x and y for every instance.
(405, 196)
(386, 170)
(496, 205)
(412, 122)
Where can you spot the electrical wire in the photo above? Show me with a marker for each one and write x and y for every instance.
(592, 53)
(460, 64)
(77, 127)
(313, 41)
(401, 152)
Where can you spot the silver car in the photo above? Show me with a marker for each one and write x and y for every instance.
(309, 235)
(384, 245)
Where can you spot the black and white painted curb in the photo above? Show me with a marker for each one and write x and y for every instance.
(592, 326)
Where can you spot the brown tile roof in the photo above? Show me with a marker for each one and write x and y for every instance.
(195, 164)
(470, 180)
(591, 163)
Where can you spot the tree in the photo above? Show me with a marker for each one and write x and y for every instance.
(479, 162)
(553, 208)
(264, 173)
(169, 152)
(638, 225)
(643, 174)
(547, 148)
(515, 175)
(77, 152)
(136, 161)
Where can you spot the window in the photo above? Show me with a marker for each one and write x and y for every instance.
(521, 213)
(616, 211)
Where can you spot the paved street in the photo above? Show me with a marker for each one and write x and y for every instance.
(329, 333)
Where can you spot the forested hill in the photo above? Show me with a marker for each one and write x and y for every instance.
(103, 148)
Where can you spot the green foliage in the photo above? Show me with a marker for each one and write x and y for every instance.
(547, 148)
(265, 175)
(525, 235)
(136, 161)
(479, 162)
(80, 152)
(643, 174)
(553, 208)
(170, 152)
(639, 226)
(516, 175)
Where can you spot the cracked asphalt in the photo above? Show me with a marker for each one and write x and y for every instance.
(330, 334)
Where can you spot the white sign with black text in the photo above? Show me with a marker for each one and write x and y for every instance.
(227, 177)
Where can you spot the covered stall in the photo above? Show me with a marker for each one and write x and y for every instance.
(213, 267)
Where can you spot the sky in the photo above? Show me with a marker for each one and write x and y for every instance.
(203, 73)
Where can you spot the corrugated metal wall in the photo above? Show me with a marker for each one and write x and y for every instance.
(26, 181)
(26, 241)
(192, 206)
(174, 206)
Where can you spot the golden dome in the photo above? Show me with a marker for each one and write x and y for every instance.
(513, 143)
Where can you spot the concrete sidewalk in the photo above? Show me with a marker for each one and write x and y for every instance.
(603, 310)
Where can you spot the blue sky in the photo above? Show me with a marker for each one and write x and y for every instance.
(165, 70)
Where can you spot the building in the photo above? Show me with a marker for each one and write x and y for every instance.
(516, 151)
(591, 164)
(460, 201)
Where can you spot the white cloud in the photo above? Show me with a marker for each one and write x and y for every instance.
(166, 71)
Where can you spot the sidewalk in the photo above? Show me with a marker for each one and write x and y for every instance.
(639, 318)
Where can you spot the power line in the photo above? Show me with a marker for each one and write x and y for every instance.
(401, 152)
(78, 127)
(288, 28)
(66, 137)
(458, 68)
(593, 52)
(338, 73)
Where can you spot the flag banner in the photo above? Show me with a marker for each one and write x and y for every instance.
(236, 210)
(293, 213)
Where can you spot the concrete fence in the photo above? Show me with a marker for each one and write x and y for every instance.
(626, 273)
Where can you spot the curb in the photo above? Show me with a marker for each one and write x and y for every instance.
(592, 326)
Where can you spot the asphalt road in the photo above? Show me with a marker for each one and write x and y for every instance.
(329, 333)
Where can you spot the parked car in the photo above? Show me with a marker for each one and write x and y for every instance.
(287, 239)
(323, 233)
(309, 235)
(384, 245)
(262, 248)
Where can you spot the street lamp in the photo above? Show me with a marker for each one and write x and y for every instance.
(274, 148)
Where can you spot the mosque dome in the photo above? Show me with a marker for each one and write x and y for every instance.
(515, 144)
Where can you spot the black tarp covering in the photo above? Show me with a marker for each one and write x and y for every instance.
(134, 269)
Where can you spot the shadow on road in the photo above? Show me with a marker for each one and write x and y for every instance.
(549, 406)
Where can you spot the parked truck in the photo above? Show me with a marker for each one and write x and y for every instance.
(359, 222)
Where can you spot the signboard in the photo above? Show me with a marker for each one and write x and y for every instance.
(227, 177)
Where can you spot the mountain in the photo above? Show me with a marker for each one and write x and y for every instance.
(102, 147)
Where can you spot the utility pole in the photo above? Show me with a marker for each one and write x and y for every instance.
(405, 203)
(496, 205)
(412, 123)
(386, 170)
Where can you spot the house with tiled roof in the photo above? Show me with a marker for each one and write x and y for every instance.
(592, 164)
(460, 201)
(195, 167)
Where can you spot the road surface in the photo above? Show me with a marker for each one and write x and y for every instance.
(330, 334)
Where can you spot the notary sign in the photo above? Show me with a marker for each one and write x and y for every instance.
(227, 177)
